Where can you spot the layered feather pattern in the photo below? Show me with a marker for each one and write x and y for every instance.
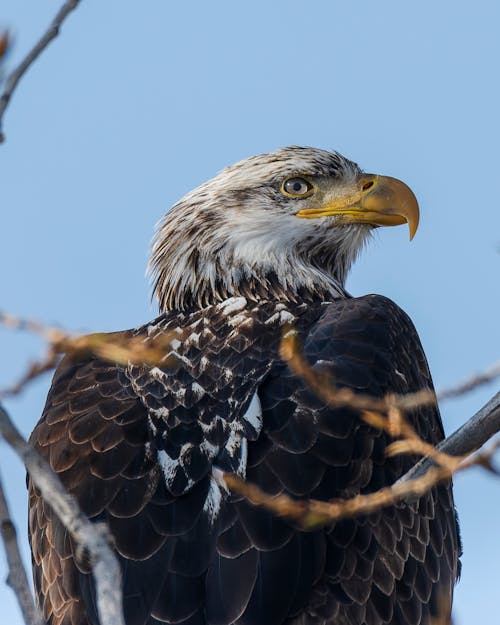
(140, 447)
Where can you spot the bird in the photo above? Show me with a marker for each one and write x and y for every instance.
(262, 249)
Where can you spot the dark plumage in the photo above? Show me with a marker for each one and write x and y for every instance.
(140, 446)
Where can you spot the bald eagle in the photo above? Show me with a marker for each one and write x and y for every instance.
(265, 244)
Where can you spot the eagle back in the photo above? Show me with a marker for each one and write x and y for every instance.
(202, 401)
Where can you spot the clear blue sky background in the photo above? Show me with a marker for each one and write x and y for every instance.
(137, 103)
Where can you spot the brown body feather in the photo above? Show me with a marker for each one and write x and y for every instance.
(191, 554)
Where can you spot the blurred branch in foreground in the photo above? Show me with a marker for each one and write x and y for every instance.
(438, 464)
(17, 578)
(5, 42)
(311, 513)
(386, 413)
(123, 348)
(117, 347)
(324, 386)
(92, 538)
(467, 439)
(14, 78)
(472, 435)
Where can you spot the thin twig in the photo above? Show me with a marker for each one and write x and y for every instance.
(323, 385)
(470, 383)
(467, 439)
(123, 348)
(93, 537)
(384, 413)
(409, 441)
(17, 578)
(313, 513)
(118, 347)
(14, 78)
(34, 370)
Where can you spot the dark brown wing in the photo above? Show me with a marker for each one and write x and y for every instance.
(396, 566)
(93, 432)
(135, 445)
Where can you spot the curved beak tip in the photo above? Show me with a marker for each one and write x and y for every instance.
(392, 197)
(413, 227)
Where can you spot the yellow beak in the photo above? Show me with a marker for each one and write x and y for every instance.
(375, 200)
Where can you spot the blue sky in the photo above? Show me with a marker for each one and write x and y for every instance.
(135, 104)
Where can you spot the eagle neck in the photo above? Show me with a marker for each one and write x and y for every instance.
(212, 283)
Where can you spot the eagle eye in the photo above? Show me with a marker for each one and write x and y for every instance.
(296, 187)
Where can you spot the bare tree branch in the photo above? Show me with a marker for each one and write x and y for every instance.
(438, 465)
(323, 385)
(17, 578)
(122, 348)
(118, 347)
(467, 439)
(313, 513)
(385, 413)
(92, 537)
(470, 383)
(14, 78)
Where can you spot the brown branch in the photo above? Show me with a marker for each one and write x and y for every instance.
(467, 439)
(409, 441)
(34, 370)
(385, 413)
(312, 513)
(323, 385)
(93, 537)
(17, 578)
(118, 347)
(123, 348)
(14, 78)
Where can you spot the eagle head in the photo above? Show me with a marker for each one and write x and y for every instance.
(284, 225)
